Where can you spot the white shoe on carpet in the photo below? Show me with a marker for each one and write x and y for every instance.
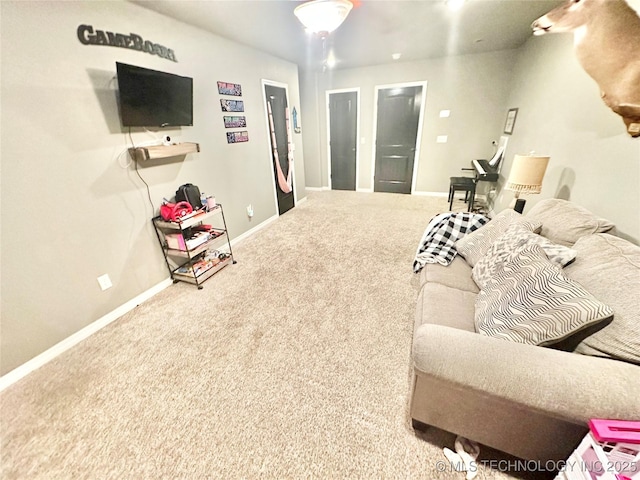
(464, 458)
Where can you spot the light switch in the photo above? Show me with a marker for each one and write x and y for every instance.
(441, 139)
(445, 113)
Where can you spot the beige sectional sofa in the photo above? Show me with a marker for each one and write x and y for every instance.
(528, 400)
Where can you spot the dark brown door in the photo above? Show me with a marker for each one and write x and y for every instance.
(396, 136)
(278, 98)
(343, 111)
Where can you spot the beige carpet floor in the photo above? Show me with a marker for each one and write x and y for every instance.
(294, 363)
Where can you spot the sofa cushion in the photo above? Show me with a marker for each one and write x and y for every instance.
(456, 275)
(508, 246)
(533, 302)
(442, 305)
(565, 222)
(609, 268)
(473, 246)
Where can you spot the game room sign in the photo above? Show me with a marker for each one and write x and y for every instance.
(88, 36)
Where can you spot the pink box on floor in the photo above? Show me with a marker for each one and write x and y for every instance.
(610, 451)
(615, 430)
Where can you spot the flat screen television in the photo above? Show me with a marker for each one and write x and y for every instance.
(149, 98)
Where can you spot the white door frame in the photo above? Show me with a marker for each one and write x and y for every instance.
(328, 115)
(273, 83)
(416, 157)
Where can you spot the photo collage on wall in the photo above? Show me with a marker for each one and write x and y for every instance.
(231, 107)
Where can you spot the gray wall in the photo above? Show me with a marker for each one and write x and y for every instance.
(594, 162)
(473, 87)
(311, 103)
(73, 207)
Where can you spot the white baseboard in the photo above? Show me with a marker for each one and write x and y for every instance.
(370, 190)
(302, 200)
(430, 194)
(71, 341)
(248, 233)
(328, 189)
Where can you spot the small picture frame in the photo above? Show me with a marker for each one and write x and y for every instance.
(226, 88)
(234, 122)
(511, 120)
(296, 127)
(237, 137)
(232, 105)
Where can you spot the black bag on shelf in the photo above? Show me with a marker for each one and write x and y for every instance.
(189, 193)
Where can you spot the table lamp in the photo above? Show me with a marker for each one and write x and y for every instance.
(525, 177)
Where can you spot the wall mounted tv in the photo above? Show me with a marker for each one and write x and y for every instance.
(149, 98)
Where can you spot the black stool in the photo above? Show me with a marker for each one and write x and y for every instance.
(462, 184)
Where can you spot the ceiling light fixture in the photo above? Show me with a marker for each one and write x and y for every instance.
(455, 5)
(331, 60)
(323, 16)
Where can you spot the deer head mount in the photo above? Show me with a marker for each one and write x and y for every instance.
(607, 44)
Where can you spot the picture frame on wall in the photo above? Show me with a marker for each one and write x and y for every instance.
(296, 127)
(237, 137)
(226, 88)
(511, 120)
(232, 105)
(234, 122)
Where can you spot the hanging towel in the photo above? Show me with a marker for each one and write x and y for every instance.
(285, 184)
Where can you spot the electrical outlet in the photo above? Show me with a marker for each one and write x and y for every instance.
(105, 282)
(250, 210)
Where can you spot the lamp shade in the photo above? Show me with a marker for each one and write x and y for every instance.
(527, 173)
(323, 16)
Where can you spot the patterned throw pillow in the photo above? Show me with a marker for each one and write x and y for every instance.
(533, 302)
(473, 246)
(508, 247)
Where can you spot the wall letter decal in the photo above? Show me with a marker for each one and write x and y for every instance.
(132, 41)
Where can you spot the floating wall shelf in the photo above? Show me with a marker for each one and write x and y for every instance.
(142, 154)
